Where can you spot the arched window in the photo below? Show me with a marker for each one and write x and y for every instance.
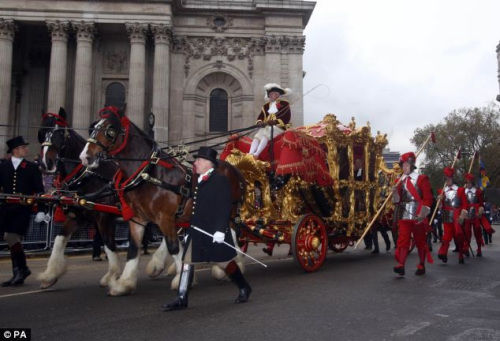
(115, 95)
(218, 110)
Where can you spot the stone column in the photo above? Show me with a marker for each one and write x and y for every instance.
(137, 73)
(82, 98)
(58, 65)
(161, 80)
(7, 30)
(498, 58)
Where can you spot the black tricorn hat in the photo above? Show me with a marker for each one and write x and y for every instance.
(15, 142)
(207, 153)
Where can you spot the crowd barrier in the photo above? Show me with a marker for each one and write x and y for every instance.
(40, 237)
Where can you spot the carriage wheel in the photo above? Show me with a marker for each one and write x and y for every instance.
(309, 242)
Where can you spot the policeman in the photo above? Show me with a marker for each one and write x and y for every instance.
(18, 176)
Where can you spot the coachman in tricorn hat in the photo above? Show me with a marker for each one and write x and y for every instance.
(276, 112)
(18, 176)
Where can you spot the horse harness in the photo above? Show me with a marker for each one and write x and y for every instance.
(143, 175)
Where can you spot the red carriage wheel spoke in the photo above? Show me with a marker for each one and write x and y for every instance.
(309, 242)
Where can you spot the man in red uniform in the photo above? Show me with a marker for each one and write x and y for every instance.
(475, 209)
(413, 196)
(453, 213)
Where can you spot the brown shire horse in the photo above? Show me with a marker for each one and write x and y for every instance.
(138, 158)
(61, 147)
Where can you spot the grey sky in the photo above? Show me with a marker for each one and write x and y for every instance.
(400, 64)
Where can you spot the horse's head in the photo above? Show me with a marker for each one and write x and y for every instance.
(107, 136)
(52, 136)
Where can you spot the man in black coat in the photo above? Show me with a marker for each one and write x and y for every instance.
(18, 176)
(212, 213)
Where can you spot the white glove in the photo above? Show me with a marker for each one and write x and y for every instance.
(218, 237)
(436, 221)
(40, 216)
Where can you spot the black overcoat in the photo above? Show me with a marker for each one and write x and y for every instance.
(212, 213)
(26, 179)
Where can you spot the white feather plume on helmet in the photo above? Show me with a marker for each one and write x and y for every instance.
(276, 87)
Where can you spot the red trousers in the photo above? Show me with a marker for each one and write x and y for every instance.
(453, 231)
(407, 228)
(471, 225)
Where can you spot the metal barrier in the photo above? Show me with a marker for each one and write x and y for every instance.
(41, 237)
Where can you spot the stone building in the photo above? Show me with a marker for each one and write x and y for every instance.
(198, 65)
(498, 73)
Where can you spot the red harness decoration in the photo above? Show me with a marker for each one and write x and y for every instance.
(59, 216)
(127, 211)
(60, 121)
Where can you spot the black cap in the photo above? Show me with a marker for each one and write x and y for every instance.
(207, 153)
(15, 142)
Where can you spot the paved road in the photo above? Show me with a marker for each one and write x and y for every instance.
(354, 296)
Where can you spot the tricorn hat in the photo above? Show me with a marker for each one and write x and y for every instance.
(15, 142)
(270, 87)
(207, 153)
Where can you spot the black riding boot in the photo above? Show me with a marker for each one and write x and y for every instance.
(181, 302)
(19, 267)
(15, 269)
(234, 273)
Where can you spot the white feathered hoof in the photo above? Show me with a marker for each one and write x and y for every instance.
(155, 267)
(49, 277)
(106, 279)
(121, 287)
(218, 273)
(172, 269)
(47, 284)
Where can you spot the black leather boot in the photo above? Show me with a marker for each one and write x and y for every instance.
(181, 302)
(19, 267)
(234, 273)
(14, 272)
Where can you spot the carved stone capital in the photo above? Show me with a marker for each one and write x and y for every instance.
(284, 44)
(224, 49)
(85, 30)
(162, 33)
(137, 32)
(7, 29)
(58, 30)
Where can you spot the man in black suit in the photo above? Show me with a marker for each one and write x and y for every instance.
(18, 176)
(212, 213)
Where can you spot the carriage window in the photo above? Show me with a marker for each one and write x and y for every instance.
(115, 95)
(218, 110)
(359, 162)
(343, 162)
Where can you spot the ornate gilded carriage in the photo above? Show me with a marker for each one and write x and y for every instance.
(309, 216)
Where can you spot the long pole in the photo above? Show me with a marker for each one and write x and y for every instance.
(472, 162)
(431, 135)
(227, 244)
